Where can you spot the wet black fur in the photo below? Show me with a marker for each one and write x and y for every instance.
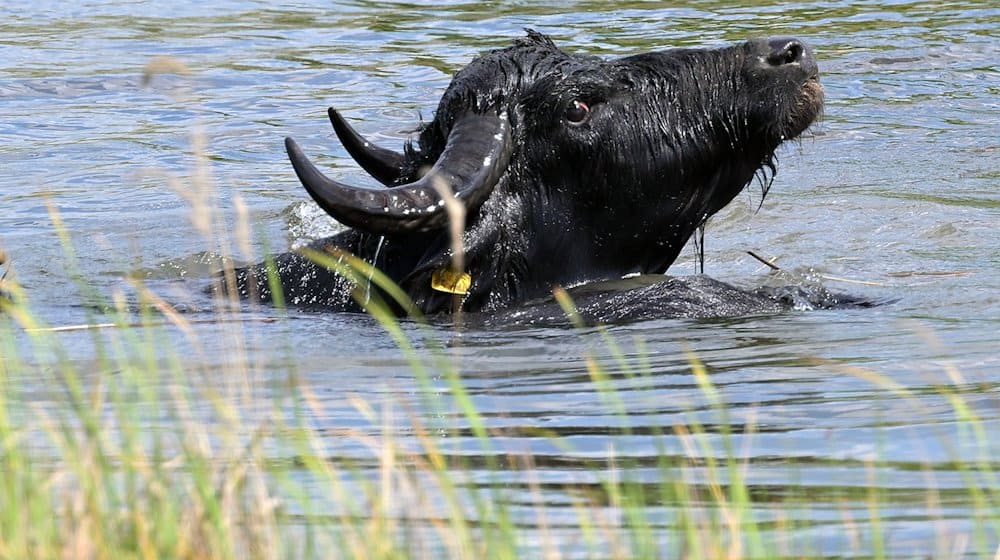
(671, 138)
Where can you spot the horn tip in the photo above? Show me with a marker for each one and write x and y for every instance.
(295, 154)
(334, 115)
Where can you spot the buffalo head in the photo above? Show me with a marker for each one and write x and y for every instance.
(571, 169)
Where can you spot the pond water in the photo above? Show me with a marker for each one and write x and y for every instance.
(893, 195)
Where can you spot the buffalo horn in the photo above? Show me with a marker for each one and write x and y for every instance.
(382, 164)
(474, 157)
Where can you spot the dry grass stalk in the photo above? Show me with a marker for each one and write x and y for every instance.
(456, 228)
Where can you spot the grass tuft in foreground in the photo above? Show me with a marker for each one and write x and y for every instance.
(142, 452)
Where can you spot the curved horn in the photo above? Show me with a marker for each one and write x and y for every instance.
(382, 164)
(475, 155)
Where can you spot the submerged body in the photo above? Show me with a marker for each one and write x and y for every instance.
(570, 170)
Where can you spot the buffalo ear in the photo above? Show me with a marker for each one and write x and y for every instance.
(384, 165)
(475, 155)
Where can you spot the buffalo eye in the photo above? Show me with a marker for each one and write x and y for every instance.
(577, 113)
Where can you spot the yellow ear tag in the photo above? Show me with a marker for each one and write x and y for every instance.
(448, 281)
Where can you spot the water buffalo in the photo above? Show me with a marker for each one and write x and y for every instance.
(571, 169)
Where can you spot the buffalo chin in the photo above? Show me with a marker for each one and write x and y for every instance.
(806, 109)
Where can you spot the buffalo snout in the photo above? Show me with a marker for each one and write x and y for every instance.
(784, 51)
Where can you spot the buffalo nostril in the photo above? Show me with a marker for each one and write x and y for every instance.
(785, 51)
(793, 53)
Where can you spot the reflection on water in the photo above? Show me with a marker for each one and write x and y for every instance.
(896, 188)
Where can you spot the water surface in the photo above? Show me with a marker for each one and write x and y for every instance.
(894, 193)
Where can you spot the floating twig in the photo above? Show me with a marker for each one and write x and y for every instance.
(769, 264)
